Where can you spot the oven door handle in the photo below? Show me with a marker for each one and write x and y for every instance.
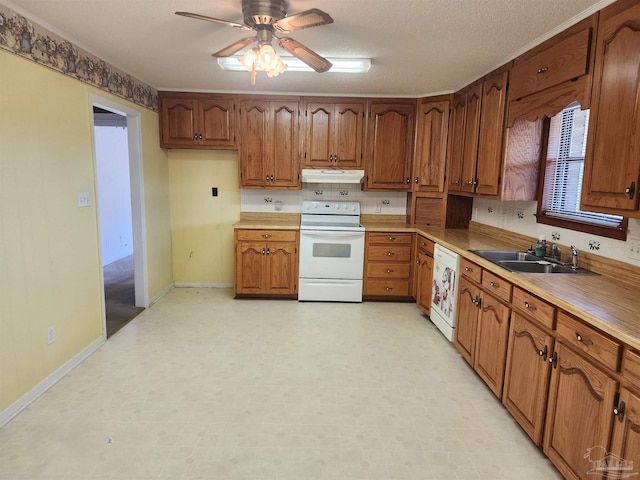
(330, 233)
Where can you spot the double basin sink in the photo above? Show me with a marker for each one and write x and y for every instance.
(525, 262)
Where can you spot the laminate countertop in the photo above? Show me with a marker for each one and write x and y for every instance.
(602, 301)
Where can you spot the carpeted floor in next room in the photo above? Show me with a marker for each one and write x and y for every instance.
(119, 293)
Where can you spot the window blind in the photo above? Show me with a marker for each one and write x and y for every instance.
(565, 169)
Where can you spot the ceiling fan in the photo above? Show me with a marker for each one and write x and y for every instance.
(269, 18)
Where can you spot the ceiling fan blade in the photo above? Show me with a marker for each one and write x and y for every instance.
(214, 20)
(306, 19)
(308, 56)
(234, 47)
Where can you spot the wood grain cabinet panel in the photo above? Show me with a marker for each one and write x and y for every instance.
(526, 383)
(579, 415)
(389, 145)
(269, 153)
(432, 127)
(333, 134)
(424, 274)
(190, 120)
(469, 161)
(388, 264)
(625, 443)
(456, 141)
(614, 136)
(467, 322)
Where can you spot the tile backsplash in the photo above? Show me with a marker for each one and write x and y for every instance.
(520, 217)
(386, 203)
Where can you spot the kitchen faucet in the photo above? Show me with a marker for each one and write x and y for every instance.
(574, 257)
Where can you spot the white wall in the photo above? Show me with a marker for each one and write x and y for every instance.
(520, 217)
(114, 193)
(385, 203)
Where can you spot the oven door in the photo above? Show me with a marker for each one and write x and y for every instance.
(331, 254)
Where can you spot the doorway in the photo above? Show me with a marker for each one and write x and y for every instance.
(119, 204)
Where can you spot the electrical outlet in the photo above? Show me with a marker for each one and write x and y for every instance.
(84, 199)
(634, 248)
(51, 335)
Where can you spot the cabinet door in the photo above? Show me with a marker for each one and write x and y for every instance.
(431, 147)
(347, 134)
(467, 323)
(283, 161)
(494, 101)
(612, 164)
(526, 383)
(491, 342)
(254, 128)
(626, 432)
(282, 268)
(389, 141)
(579, 417)
(471, 130)
(178, 122)
(217, 123)
(425, 279)
(317, 141)
(457, 142)
(250, 267)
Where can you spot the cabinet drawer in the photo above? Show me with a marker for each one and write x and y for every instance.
(590, 341)
(387, 287)
(534, 308)
(471, 270)
(267, 235)
(559, 63)
(631, 367)
(388, 270)
(390, 238)
(392, 253)
(426, 245)
(497, 286)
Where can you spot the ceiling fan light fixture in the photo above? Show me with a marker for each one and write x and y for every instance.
(267, 58)
(248, 60)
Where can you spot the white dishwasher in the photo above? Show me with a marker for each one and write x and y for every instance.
(444, 295)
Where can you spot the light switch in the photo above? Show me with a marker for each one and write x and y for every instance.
(84, 199)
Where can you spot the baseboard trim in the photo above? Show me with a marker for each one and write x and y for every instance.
(203, 285)
(32, 395)
(161, 295)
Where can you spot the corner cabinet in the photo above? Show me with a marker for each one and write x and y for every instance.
(266, 262)
(333, 133)
(612, 163)
(389, 145)
(269, 152)
(203, 121)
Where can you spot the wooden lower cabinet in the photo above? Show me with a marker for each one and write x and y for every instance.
(526, 383)
(387, 265)
(266, 262)
(491, 342)
(579, 416)
(625, 443)
(424, 274)
(467, 323)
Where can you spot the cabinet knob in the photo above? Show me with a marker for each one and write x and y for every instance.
(528, 306)
(458, 182)
(390, 254)
(417, 180)
(467, 269)
(543, 69)
(266, 235)
(389, 270)
(331, 158)
(494, 284)
(630, 190)
(335, 158)
(408, 180)
(391, 239)
(584, 341)
(388, 289)
(618, 411)
(264, 251)
(268, 252)
(195, 136)
(543, 353)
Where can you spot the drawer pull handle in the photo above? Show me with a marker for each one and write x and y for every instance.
(467, 269)
(618, 411)
(543, 353)
(389, 270)
(584, 341)
(528, 306)
(630, 190)
(264, 251)
(494, 284)
(390, 254)
(268, 252)
(543, 69)
(266, 235)
(391, 239)
(388, 289)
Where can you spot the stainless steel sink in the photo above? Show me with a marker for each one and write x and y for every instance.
(524, 262)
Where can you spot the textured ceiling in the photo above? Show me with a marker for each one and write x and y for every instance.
(417, 47)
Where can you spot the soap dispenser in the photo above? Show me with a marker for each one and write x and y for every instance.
(541, 246)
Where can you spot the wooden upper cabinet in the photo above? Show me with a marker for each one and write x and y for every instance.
(492, 121)
(456, 142)
(432, 128)
(612, 163)
(333, 134)
(389, 149)
(269, 155)
(189, 120)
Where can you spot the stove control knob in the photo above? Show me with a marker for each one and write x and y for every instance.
(353, 208)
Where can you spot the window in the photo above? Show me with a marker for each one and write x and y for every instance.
(559, 204)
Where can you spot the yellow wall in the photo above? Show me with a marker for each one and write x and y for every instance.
(49, 249)
(201, 224)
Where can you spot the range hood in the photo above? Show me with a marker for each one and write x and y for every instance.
(331, 176)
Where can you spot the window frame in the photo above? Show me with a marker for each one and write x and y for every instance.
(619, 233)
